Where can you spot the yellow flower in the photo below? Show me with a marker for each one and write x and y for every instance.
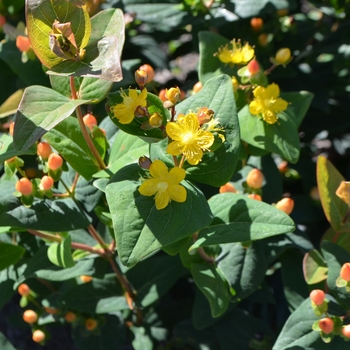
(125, 111)
(236, 53)
(188, 138)
(164, 184)
(266, 103)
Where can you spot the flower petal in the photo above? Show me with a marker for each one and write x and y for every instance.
(204, 139)
(272, 91)
(279, 105)
(162, 199)
(255, 108)
(176, 175)
(193, 154)
(158, 170)
(149, 187)
(259, 92)
(123, 114)
(191, 123)
(174, 131)
(177, 193)
(174, 148)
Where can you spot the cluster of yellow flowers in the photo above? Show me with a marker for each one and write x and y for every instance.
(235, 53)
(190, 136)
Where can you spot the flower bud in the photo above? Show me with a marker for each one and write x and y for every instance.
(145, 162)
(23, 289)
(286, 205)
(149, 70)
(55, 161)
(43, 150)
(46, 182)
(317, 296)
(256, 24)
(283, 56)
(38, 336)
(326, 324)
(255, 179)
(90, 324)
(227, 188)
(253, 67)
(24, 186)
(30, 316)
(141, 78)
(23, 43)
(70, 316)
(89, 120)
(204, 115)
(346, 331)
(255, 196)
(345, 272)
(155, 120)
(173, 95)
(197, 87)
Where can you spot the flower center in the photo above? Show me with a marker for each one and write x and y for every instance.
(188, 138)
(268, 102)
(162, 186)
(128, 101)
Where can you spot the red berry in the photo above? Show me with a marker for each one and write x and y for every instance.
(55, 161)
(286, 205)
(90, 324)
(24, 186)
(23, 289)
(345, 272)
(46, 182)
(227, 188)
(161, 95)
(149, 70)
(23, 43)
(70, 316)
(89, 120)
(255, 196)
(346, 331)
(326, 324)
(2, 20)
(317, 296)
(30, 316)
(253, 67)
(43, 150)
(38, 336)
(256, 23)
(255, 179)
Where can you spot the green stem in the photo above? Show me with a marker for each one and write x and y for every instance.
(202, 252)
(83, 128)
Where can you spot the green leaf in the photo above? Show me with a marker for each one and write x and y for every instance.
(41, 109)
(134, 128)
(300, 103)
(244, 268)
(281, 138)
(213, 285)
(142, 340)
(96, 297)
(238, 218)
(5, 344)
(11, 103)
(8, 278)
(68, 140)
(139, 227)
(46, 214)
(297, 332)
(7, 150)
(10, 254)
(328, 181)
(216, 168)
(60, 253)
(314, 266)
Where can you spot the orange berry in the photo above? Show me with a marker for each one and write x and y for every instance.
(197, 87)
(326, 324)
(70, 316)
(227, 188)
(255, 196)
(55, 161)
(345, 272)
(23, 43)
(256, 23)
(286, 205)
(255, 179)
(263, 39)
(149, 71)
(89, 120)
(253, 67)
(46, 182)
(161, 95)
(50, 310)
(24, 186)
(38, 336)
(283, 167)
(85, 279)
(317, 296)
(315, 193)
(11, 128)
(2, 20)
(43, 150)
(23, 289)
(30, 316)
(90, 324)
(346, 331)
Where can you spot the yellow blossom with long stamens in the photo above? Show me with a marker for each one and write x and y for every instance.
(125, 111)
(235, 52)
(164, 185)
(267, 104)
(188, 138)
